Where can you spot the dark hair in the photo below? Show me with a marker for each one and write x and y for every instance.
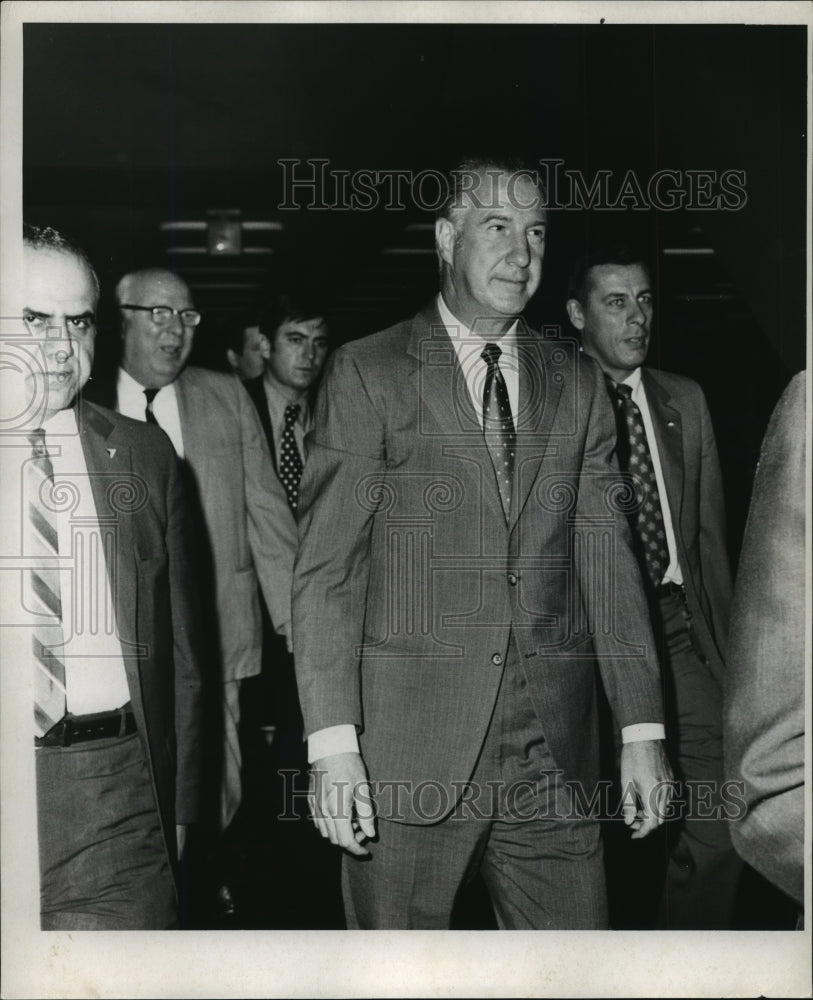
(234, 332)
(458, 177)
(46, 238)
(293, 307)
(621, 254)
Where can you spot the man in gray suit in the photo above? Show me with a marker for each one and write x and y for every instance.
(458, 488)
(227, 467)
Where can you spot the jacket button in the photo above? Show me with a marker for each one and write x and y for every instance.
(512, 579)
(496, 659)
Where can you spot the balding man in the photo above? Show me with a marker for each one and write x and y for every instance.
(216, 433)
(105, 603)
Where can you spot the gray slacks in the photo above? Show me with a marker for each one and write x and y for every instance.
(542, 866)
(103, 860)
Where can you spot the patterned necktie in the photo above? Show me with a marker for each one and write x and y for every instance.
(498, 425)
(44, 590)
(290, 462)
(148, 414)
(634, 457)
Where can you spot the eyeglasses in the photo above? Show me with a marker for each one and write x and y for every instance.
(161, 315)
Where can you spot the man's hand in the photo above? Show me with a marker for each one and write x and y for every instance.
(340, 801)
(646, 786)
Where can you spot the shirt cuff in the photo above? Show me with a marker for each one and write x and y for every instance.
(643, 731)
(334, 739)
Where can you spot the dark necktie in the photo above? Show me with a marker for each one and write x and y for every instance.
(45, 595)
(290, 462)
(498, 425)
(148, 414)
(634, 457)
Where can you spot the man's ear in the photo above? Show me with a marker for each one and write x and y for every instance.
(575, 313)
(265, 347)
(444, 240)
(232, 357)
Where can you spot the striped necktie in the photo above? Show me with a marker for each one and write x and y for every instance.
(43, 587)
(498, 425)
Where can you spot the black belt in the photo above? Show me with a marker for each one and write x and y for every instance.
(82, 728)
(670, 589)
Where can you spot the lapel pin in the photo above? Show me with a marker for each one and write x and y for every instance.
(111, 452)
(670, 423)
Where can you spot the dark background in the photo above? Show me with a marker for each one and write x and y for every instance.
(129, 128)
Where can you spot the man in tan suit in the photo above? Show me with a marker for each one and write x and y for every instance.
(459, 482)
(217, 435)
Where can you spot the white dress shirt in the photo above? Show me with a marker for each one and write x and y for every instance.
(94, 666)
(131, 401)
(634, 380)
(468, 348)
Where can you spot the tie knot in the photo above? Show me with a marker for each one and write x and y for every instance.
(36, 438)
(291, 414)
(622, 390)
(491, 354)
(150, 394)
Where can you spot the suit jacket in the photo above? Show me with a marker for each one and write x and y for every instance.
(416, 580)
(765, 702)
(240, 538)
(694, 487)
(133, 473)
(254, 387)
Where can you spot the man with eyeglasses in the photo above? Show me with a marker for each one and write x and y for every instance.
(230, 476)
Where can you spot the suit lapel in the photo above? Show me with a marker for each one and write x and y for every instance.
(668, 425)
(538, 402)
(256, 390)
(443, 392)
(115, 487)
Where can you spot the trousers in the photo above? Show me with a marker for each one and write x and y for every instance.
(541, 864)
(103, 859)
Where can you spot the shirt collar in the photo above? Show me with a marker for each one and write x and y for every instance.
(128, 387)
(467, 343)
(633, 380)
(63, 422)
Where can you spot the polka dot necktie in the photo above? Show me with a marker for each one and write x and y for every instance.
(634, 457)
(498, 425)
(290, 462)
(43, 594)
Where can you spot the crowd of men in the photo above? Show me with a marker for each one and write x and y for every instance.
(470, 525)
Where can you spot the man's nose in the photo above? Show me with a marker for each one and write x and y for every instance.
(61, 347)
(175, 326)
(520, 252)
(637, 314)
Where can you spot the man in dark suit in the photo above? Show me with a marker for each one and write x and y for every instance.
(106, 594)
(234, 492)
(293, 336)
(455, 493)
(666, 443)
